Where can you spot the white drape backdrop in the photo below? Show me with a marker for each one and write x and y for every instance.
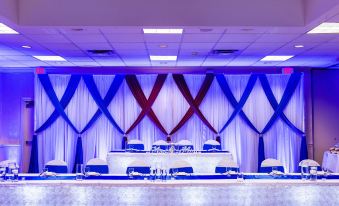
(58, 141)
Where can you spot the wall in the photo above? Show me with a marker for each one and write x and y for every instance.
(325, 94)
(13, 88)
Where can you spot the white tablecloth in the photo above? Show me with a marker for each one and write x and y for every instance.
(186, 192)
(201, 162)
(331, 161)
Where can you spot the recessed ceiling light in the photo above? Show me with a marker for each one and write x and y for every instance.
(163, 58)
(299, 46)
(276, 58)
(326, 28)
(6, 30)
(162, 31)
(195, 53)
(26, 46)
(50, 58)
(163, 46)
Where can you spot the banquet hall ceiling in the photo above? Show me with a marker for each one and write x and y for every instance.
(254, 28)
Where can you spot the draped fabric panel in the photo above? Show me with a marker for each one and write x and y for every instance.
(151, 106)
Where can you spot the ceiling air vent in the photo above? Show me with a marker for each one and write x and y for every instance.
(224, 51)
(100, 52)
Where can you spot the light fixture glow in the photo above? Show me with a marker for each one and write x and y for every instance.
(26, 46)
(163, 58)
(276, 58)
(4, 29)
(163, 31)
(299, 46)
(326, 28)
(50, 58)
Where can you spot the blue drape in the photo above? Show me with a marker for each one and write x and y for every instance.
(66, 98)
(78, 154)
(103, 103)
(237, 106)
(292, 84)
(33, 162)
(62, 104)
(261, 151)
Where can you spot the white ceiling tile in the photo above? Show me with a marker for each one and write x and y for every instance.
(50, 38)
(70, 52)
(239, 38)
(60, 64)
(244, 60)
(315, 38)
(34, 63)
(10, 52)
(131, 52)
(21, 58)
(78, 58)
(288, 30)
(237, 46)
(163, 52)
(156, 46)
(60, 46)
(162, 38)
(34, 30)
(129, 46)
(87, 38)
(94, 46)
(261, 48)
(204, 30)
(194, 52)
(216, 61)
(125, 38)
(121, 30)
(79, 30)
(197, 46)
(246, 30)
(163, 64)
(272, 38)
(201, 37)
(86, 64)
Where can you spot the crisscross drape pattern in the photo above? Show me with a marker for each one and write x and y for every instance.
(239, 108)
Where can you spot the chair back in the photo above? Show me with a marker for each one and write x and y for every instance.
(184, 145)
(226, 165)
(268, 164)
(57, 166)
(139, 166)
(97, 165)
(211, 145)
(181, 166)
(135, 145)
(309, 163)
(160, 144)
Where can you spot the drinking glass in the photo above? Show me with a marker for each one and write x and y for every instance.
(15, 171)
(130, 172)
(240, 177)
(79, 172)
(174, 173)
(2, 173)
(304, 172)
(325, 173)
(313, 173)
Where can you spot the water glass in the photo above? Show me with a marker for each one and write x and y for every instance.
(240, 177)
(130, 172)
(79, 172)
(325, 173)
(174, 173)
(304, 172)
(313, 173)
(2, 173)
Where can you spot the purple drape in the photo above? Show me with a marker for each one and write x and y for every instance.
(194, 103)
(146, 104)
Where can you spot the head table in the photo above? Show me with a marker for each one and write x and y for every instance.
(255, 189)
(202, 162)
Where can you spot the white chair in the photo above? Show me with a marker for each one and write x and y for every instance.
(211, 145)
(135, 145)
(181, 166)
(57, 166)
(184, 144)
(309, 163)
(139, 166)
(161, 144)
(97, 165)
(268, 164)
(226, 165)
